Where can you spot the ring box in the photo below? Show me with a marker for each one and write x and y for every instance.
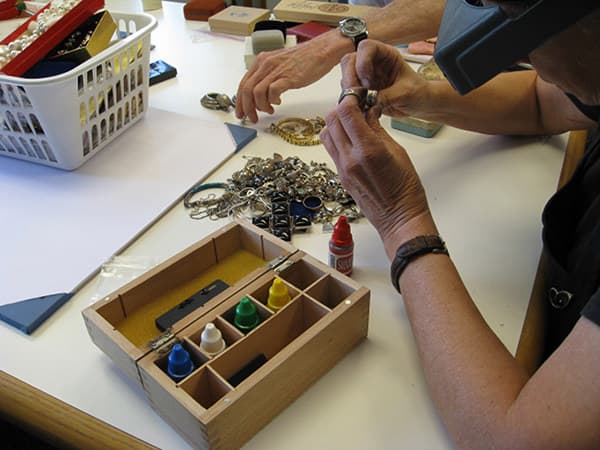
(308, 30)
(229, 397)
(266, 40)
(249, 56)
(202, 9)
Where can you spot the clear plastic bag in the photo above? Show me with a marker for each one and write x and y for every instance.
(120, 270)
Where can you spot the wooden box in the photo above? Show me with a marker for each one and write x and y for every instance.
(329, 13)
(238, 20)
(327, 316)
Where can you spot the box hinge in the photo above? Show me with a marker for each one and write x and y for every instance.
(276, 263)
(280, 263)
(163, 343)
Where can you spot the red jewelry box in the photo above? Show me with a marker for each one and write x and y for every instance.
(308, 30)
(202, 9)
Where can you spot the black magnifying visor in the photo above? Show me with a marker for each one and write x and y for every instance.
(476, 42)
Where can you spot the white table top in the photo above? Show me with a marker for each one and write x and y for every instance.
(486, 193)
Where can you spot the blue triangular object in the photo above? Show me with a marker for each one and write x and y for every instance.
(241, 135)
(29, 314)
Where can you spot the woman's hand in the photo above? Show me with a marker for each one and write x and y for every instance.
(277, 71)
(377, 66)
(377, 173)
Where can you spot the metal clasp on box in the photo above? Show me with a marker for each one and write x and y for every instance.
(162, 344)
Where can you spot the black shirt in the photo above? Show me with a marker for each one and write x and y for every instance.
(571, 237)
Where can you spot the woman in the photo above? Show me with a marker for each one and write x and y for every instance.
(485, 398)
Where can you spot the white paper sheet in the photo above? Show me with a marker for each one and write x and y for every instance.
(58, 227)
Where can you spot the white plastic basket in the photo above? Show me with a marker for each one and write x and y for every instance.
(64, 120)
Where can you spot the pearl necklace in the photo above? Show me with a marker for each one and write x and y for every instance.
(36, 27)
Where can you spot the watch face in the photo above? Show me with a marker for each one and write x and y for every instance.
(353, 26)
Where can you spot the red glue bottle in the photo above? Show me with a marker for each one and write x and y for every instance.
(341, 247)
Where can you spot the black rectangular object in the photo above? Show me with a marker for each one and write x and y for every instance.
(189, 305)
(247, 370)
(160, 71)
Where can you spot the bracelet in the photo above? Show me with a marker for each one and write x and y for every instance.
(412, 249)
(187, 199)
(298, 131)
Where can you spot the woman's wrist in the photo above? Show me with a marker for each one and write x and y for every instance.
(334, 45)
(419, 225)
(424, 100)
(437, 101)
(412, 96)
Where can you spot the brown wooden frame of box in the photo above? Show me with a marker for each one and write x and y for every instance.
(327, 317)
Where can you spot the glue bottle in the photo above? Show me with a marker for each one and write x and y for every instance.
(246, 317)
(341, 247)
(211, 340)
(180, 364)
(279, 295)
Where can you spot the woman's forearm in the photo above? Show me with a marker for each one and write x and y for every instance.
(506, 104)
(404, 21)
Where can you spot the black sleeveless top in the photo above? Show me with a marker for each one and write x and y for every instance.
(571, 238)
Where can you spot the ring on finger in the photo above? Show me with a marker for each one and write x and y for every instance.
(366, 97)
(359, 92)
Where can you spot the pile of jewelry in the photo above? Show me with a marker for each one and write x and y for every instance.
(259, 190)
(35, 29)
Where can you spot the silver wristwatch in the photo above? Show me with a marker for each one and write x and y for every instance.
(355, 28)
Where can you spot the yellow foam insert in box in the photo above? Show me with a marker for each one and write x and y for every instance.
(139, 327)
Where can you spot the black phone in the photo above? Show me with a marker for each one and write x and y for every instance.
(161, 71)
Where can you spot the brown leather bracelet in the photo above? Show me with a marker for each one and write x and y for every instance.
(412, 249)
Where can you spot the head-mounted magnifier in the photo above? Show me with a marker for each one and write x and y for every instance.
(477, 42)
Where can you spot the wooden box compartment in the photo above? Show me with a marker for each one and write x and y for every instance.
(213, 407)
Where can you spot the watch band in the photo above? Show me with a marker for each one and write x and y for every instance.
(358, 38)
(412, 249)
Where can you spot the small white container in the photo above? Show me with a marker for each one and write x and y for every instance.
(211, 340)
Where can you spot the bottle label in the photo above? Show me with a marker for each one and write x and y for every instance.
(341, 260)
